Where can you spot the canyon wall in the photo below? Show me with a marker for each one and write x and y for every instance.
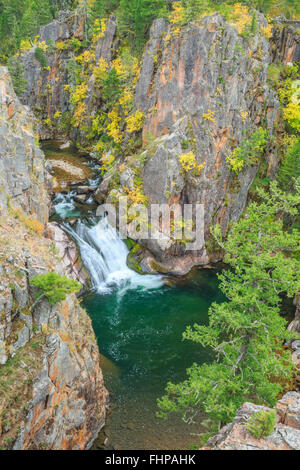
(51, 386)
(203, 91)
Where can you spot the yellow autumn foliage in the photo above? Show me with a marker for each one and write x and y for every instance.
(113, 129)
(240, 16)
(267, 31)
(188, 162)
(178, 13)
(209, 116)
(135, 122)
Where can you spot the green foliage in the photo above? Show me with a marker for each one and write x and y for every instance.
(135, 18)
(262, 423)
(250, 150)
(16, 71)
(290, 167)
(39, 55)
(246, 333)
(111, 88)
(55, 287)
(20, 19)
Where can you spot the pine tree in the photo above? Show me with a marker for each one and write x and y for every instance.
(246, 333)
(135, 18)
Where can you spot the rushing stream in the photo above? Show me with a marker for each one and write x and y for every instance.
(138, 321)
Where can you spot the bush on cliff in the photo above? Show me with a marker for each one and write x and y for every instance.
(55, 287)
(262, 423)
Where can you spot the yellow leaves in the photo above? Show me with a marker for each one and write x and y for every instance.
(117, 64)
(127, 66)
(113, 129)
(292, 115)
(188, 162)
(244, 115)
(100, 70)
(57, 115)
(136, 196)
(178, 14)
(126, 101)
(67, 87)
(234, 161)
(48, 122)
(79, 94)
(86, 57)
(291, 112)
(176, 31)
(267, 31)
(60, 46)
(107, 160)
(240, 16)
(209, 116)
(135, 121)
(77, 98)
(167, 38)
(42, 45)
(25, 45)
(99, 29)
(32, 224)
(79, 114)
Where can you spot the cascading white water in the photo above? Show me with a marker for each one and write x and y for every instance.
(104, 254)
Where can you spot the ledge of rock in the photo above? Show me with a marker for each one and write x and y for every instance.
(286, 435)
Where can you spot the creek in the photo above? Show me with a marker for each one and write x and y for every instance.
(138, 319)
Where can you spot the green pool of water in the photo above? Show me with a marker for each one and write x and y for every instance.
(140, 335)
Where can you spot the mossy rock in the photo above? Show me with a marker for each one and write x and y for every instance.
(133, 263)
(158, 268)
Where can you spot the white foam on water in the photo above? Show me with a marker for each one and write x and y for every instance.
(104, 254)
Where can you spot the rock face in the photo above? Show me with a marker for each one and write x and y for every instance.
(47, 87)
(286, 435)
(68, 254)
(45, 90)
(203, 91)
(286, 42)
(51, 385)
(23, 185)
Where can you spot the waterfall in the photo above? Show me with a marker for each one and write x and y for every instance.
(104, 255)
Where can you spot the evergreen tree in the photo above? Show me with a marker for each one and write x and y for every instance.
(246, 333)
(135, 18)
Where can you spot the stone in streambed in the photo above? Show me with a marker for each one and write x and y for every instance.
(84, 189)
(81, 198)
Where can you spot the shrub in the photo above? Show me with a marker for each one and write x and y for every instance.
(39, 55)
(249, 152)
(262, 423)
(17, 73)
(55, 287)
(290, 167)
(188, 162)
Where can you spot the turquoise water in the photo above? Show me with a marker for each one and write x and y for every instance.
(140, 332)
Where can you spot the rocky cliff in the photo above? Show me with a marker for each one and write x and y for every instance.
(202, 91)
(286, 435)
(51, 385)
(49, 76)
